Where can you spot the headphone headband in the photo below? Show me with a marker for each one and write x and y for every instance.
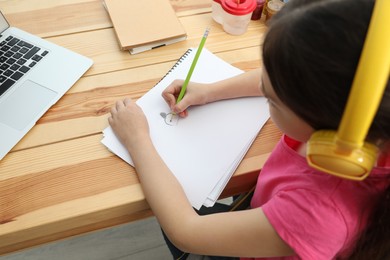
(345, 153)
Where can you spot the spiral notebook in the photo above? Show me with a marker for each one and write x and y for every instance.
(204, 149)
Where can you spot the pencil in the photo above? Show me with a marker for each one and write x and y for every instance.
(187, 80)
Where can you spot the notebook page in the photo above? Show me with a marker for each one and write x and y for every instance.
(201, 148)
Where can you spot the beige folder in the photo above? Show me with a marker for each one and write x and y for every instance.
(142, 25)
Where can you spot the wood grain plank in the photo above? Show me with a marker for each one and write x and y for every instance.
(49, 157)
(54, 186)
(73, 217)
(48, 18)
(55, 19)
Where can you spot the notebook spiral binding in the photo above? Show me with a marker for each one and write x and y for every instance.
(175, 65)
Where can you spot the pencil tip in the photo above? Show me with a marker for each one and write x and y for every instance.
(206, 33)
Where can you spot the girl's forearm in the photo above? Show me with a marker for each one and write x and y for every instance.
(163, 192)
(243, 85)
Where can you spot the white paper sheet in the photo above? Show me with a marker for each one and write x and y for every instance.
(204, 149)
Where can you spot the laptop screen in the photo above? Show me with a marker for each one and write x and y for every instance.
(3, 23)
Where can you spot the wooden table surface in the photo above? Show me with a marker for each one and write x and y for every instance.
(59, 180)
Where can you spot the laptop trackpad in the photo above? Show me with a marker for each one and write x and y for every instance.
(24, 104)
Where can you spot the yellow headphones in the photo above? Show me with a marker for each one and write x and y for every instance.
(345, 153)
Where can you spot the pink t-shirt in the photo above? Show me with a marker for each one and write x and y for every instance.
(316, 214)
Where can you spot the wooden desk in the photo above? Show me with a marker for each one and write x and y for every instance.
(60, 181)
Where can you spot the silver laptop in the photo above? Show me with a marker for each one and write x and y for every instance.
(34, 74)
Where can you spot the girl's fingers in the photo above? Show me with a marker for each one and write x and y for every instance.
(127, 101)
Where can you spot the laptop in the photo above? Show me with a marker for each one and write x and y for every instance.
(34, 75)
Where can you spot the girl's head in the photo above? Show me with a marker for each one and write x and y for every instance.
(310, 54)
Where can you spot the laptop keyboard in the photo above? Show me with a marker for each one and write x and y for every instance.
(17, 58)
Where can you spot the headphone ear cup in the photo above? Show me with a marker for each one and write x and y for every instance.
(324, 154)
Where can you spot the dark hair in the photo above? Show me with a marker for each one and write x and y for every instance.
(311, 52)
(374, 243)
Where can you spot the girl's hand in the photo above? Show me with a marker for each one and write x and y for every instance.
(196, 94)
(129, 123)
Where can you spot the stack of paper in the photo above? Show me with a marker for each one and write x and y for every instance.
(204, 149)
